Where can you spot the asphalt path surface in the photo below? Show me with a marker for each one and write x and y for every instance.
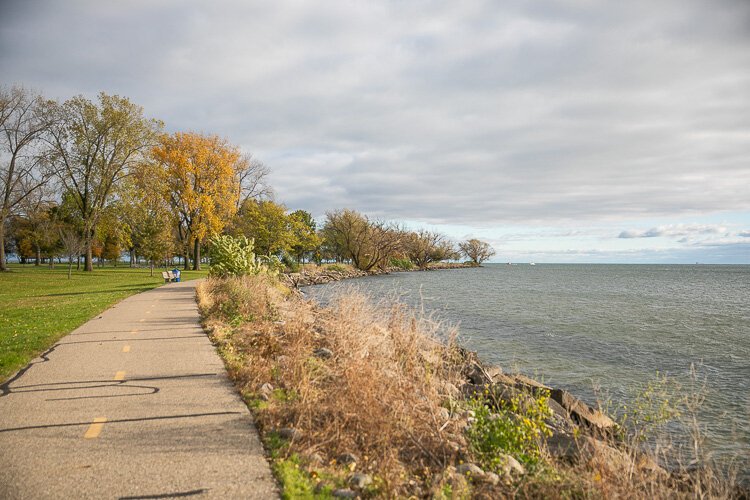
(134, 404)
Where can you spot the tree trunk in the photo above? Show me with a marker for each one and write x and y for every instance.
(3, 264)
(78, 263)
(88, 260)
(70, 265)
(132, 258)
(186, 258)
(38, 259)
(152, 267)
(197, 255)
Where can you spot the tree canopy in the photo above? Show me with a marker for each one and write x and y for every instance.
(475, 250)
(198, 178)
(94, 147)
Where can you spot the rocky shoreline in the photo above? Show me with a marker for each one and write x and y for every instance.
(322, 275)
(578, 431)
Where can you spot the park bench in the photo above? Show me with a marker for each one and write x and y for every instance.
(168, 276)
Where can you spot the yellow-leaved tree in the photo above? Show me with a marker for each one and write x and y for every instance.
(197, 176)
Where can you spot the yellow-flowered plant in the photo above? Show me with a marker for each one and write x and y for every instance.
(515, 428)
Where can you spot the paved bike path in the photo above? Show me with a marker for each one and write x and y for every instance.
(134, 404)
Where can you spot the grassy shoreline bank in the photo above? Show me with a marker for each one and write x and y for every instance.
(363, 400)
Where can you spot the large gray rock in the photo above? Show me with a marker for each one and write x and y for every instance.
(564, 446)
(323, 353)
(581, 412)
(529, 384)
(560, 421)
(492, 478)
(587, 449)
(476, 374)
(290, 433)
(347, 458)
(314, 458)
(359, 480)
(265, 391)
(472, 469)
(449, 390)
(512, 467)
(444, 414)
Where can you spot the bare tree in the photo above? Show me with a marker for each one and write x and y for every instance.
(24, 118)
(95, 145)
(476, 250)
(423, 247)
(252, 179)
(73, 245)
(368, 244)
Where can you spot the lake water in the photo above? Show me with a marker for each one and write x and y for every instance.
(602, 331)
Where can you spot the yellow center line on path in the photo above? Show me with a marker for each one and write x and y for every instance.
(120, 375)
(126, 348)
(95, 428)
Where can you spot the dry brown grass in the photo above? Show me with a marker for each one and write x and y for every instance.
(378, 397)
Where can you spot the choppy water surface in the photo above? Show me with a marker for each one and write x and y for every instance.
(602, 330)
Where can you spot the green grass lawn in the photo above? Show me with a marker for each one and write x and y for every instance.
(39, 305)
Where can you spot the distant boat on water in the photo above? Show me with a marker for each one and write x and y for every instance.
(532, 263)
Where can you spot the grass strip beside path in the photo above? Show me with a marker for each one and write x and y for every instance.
(39, 305)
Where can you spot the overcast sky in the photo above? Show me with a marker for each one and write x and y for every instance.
(570, 131)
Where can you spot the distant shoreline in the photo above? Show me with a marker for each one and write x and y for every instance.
(330, 273)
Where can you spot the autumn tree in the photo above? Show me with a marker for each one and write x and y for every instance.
(197, 175)
(35, 231)
(24, 118)
(267, 223)
(148, 216)
(368, 244)
(95, 145)
(306, 239)
(475, 250)
(424, 247)
(113, 231)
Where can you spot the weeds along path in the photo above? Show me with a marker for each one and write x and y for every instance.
(133, 404)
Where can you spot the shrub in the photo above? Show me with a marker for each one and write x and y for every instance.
(515, 429)
(338, 268)
(232, 256)
(404, 264)
(289, 262)
(659, 402)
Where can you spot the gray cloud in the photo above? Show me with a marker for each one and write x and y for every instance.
(442, 112)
